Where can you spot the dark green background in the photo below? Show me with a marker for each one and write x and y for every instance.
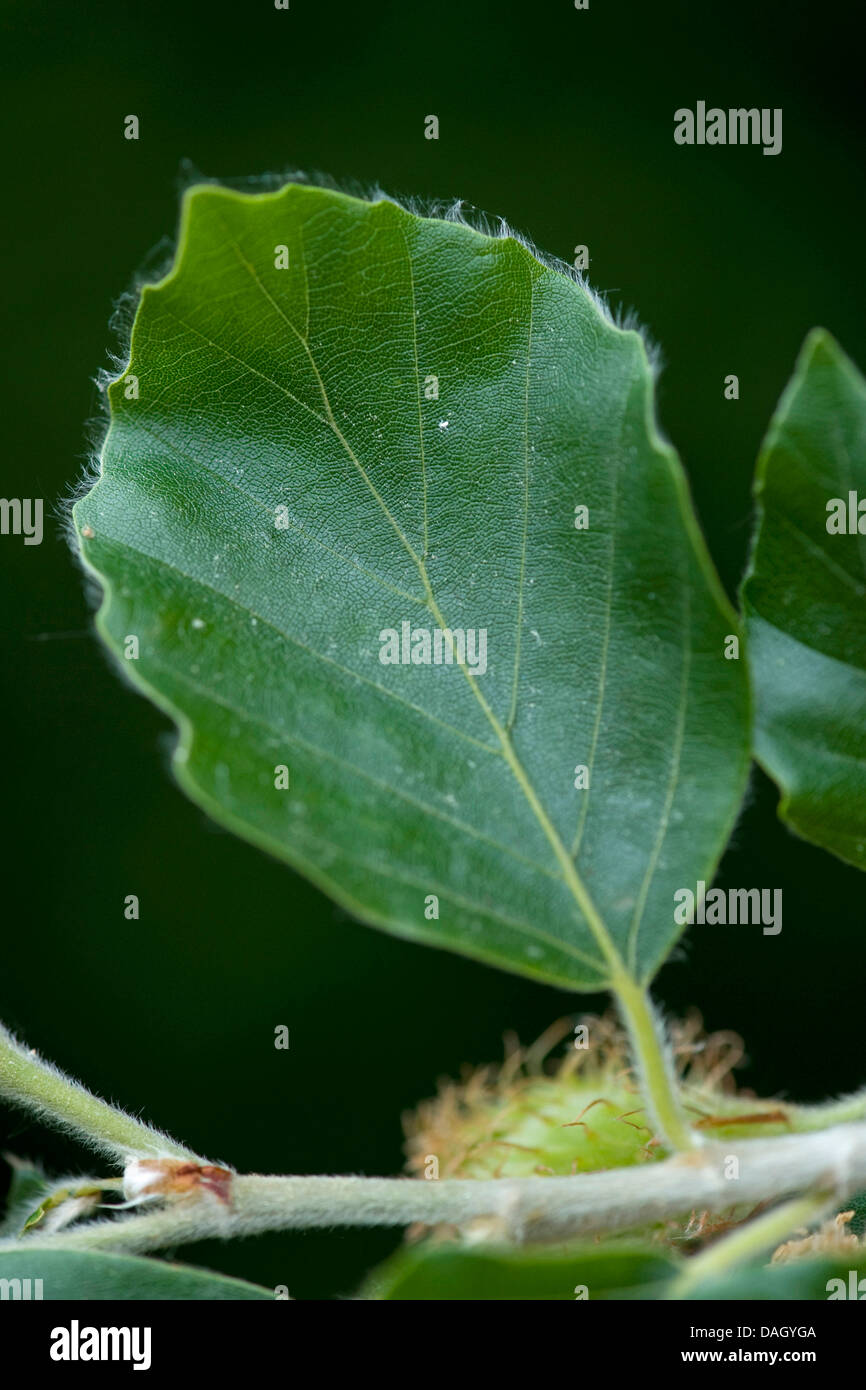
(563, 123)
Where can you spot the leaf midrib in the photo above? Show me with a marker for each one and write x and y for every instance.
(572, 879)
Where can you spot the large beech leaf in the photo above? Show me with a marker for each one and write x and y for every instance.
(805, 602)
(281, 484)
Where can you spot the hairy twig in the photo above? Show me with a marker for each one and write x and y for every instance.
(831, 1162)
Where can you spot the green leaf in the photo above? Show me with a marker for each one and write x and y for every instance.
(28, 1189)
(281, 484)
(86, 1274)
(613, 1271)
(823, 1278)
(804, 603)
(454, 1272)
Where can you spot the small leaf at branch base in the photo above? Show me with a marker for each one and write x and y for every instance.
(83, 1275)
